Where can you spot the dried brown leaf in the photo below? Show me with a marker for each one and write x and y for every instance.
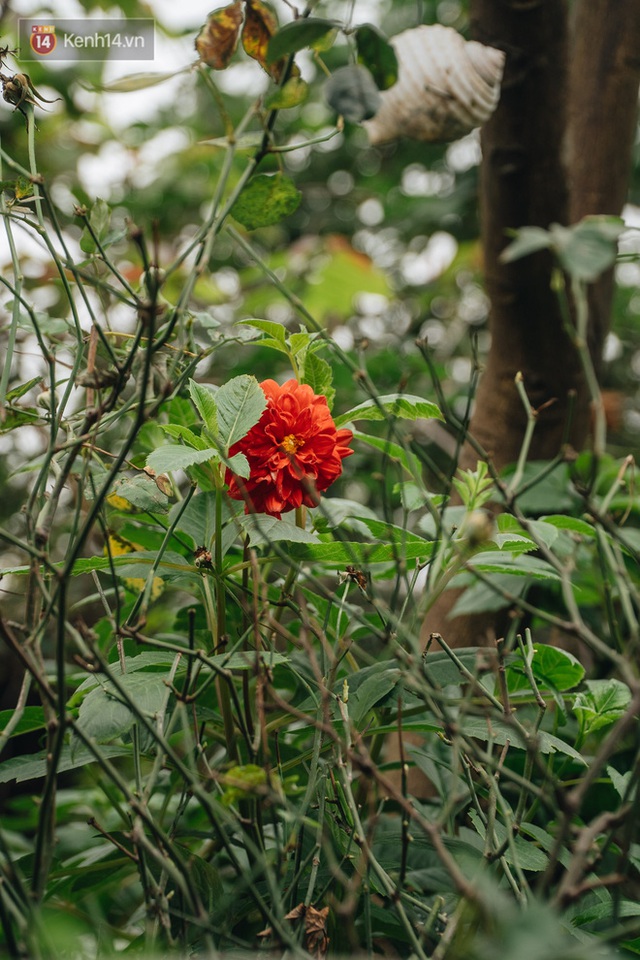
(218, 39)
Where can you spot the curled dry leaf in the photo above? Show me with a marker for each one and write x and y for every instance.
(218, 39)
(316, 939)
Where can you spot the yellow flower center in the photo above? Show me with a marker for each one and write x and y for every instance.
(290, 444)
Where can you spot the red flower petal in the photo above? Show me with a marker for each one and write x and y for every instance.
(294, 451)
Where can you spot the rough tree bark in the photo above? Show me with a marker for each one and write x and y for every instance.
(557, 148)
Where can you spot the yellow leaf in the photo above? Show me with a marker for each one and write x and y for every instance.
(259, 26)
(119, 546)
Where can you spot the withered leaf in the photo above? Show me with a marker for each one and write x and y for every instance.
(259, 26)
(315, 928)
(218, 39)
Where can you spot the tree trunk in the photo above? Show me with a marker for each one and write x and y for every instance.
(556, 107)
(603, 97)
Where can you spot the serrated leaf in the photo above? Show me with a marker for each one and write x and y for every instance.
(176, 457)
(603, 703)
(401, 405)
(100, 217)
(240, 403)
(217, 41)
(263, 530)
(352, 92)
(179, 432)
(361, 554)
(377, 55)
(239, 465)
(205, 403)
(265, 200)
(552, 669)
(300, 33)
(572, 524)
(621, 782)
(319, 376)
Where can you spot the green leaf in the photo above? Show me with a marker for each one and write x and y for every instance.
(572, 524)
(179, 432)
(391, 533)
(588, 248)
(378, 685)
(398, 454)
(297, 35)
(401, 405)
(377, 55)
(603, 703)
(553, 669)
(528, 240)
(204, 400)
(522, 853)
(361, 554)
(246, 659)
(198, 520)
(479, 597)
(240, 403)
(32, 719)
(266, 200)
(176, 457)
(352, 92)
(273, 329)
(34, 766)
(621, 782)
(294, 92)
(100, 217)
(501, 732)
(150, 660)
(104, 716)
(262, 530)
(142, 492)
(319, 376)
(239, 465)
(17, 418)
(516, 565)
(134, 81)
(16, 392)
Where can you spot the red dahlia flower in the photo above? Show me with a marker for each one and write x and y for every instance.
(294, 451)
